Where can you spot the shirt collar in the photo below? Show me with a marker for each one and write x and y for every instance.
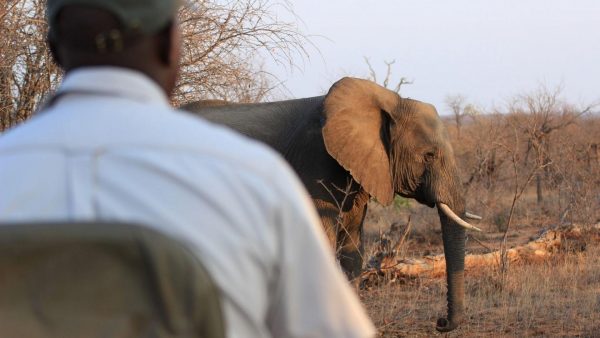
(114, 81)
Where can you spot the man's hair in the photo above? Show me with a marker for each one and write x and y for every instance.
(91, 30)
(91, 36)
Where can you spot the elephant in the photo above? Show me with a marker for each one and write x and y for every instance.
(359, 141)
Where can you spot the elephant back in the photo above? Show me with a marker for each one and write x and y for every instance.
(276, 124)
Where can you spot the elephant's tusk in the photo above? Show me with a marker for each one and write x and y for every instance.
(448, 212)
(472, 216)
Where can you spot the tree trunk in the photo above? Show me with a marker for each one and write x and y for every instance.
(539, 190)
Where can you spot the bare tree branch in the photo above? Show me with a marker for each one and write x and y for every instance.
(224, 46)
(388, 75)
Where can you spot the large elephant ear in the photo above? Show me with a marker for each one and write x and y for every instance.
(352, 133)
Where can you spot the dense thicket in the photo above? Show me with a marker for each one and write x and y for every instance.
(540, 150)
(223, 42)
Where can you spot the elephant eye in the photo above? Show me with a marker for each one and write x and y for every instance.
(429, 156)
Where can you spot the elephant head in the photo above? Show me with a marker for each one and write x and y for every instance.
(392, 145)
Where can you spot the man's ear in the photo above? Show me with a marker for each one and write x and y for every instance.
(53, 46)
(175, 49)
(167, 46)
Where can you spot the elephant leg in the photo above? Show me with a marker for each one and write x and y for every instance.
(329, 215)
(350, 242)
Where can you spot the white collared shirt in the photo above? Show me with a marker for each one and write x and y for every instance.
(111, 148)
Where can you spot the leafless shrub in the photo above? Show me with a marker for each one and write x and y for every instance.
(537, 138)
(388, 76)
(460, 109)
(221, 42)
(529, 166)
(224, 44)
(340, 196)
(537, 132)
(27, 72)
(541, 114)
(384, 258)
(519, 186)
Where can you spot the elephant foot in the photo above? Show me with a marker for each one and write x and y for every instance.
(351, 263)
(445, 325)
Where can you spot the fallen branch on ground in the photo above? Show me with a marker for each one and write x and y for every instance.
(385, 266)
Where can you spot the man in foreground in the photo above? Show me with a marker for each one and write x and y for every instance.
(108, 147)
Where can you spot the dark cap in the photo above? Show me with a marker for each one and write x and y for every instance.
(145, 16)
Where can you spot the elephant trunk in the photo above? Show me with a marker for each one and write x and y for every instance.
(454, 250)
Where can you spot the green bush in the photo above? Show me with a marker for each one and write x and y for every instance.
(401, 202)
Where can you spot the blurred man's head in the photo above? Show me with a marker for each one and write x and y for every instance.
(138, 34)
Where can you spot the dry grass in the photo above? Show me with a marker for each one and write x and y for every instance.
(557, 298)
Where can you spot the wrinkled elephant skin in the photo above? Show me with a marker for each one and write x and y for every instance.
(360, 141)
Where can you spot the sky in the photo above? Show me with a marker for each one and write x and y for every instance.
(487, 51)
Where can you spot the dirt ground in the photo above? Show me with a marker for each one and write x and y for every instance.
(559, 297)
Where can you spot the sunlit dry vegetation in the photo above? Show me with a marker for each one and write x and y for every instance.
(556, 298)
(528, 166)
(27, 72)
(222, 41)
(221, 54)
